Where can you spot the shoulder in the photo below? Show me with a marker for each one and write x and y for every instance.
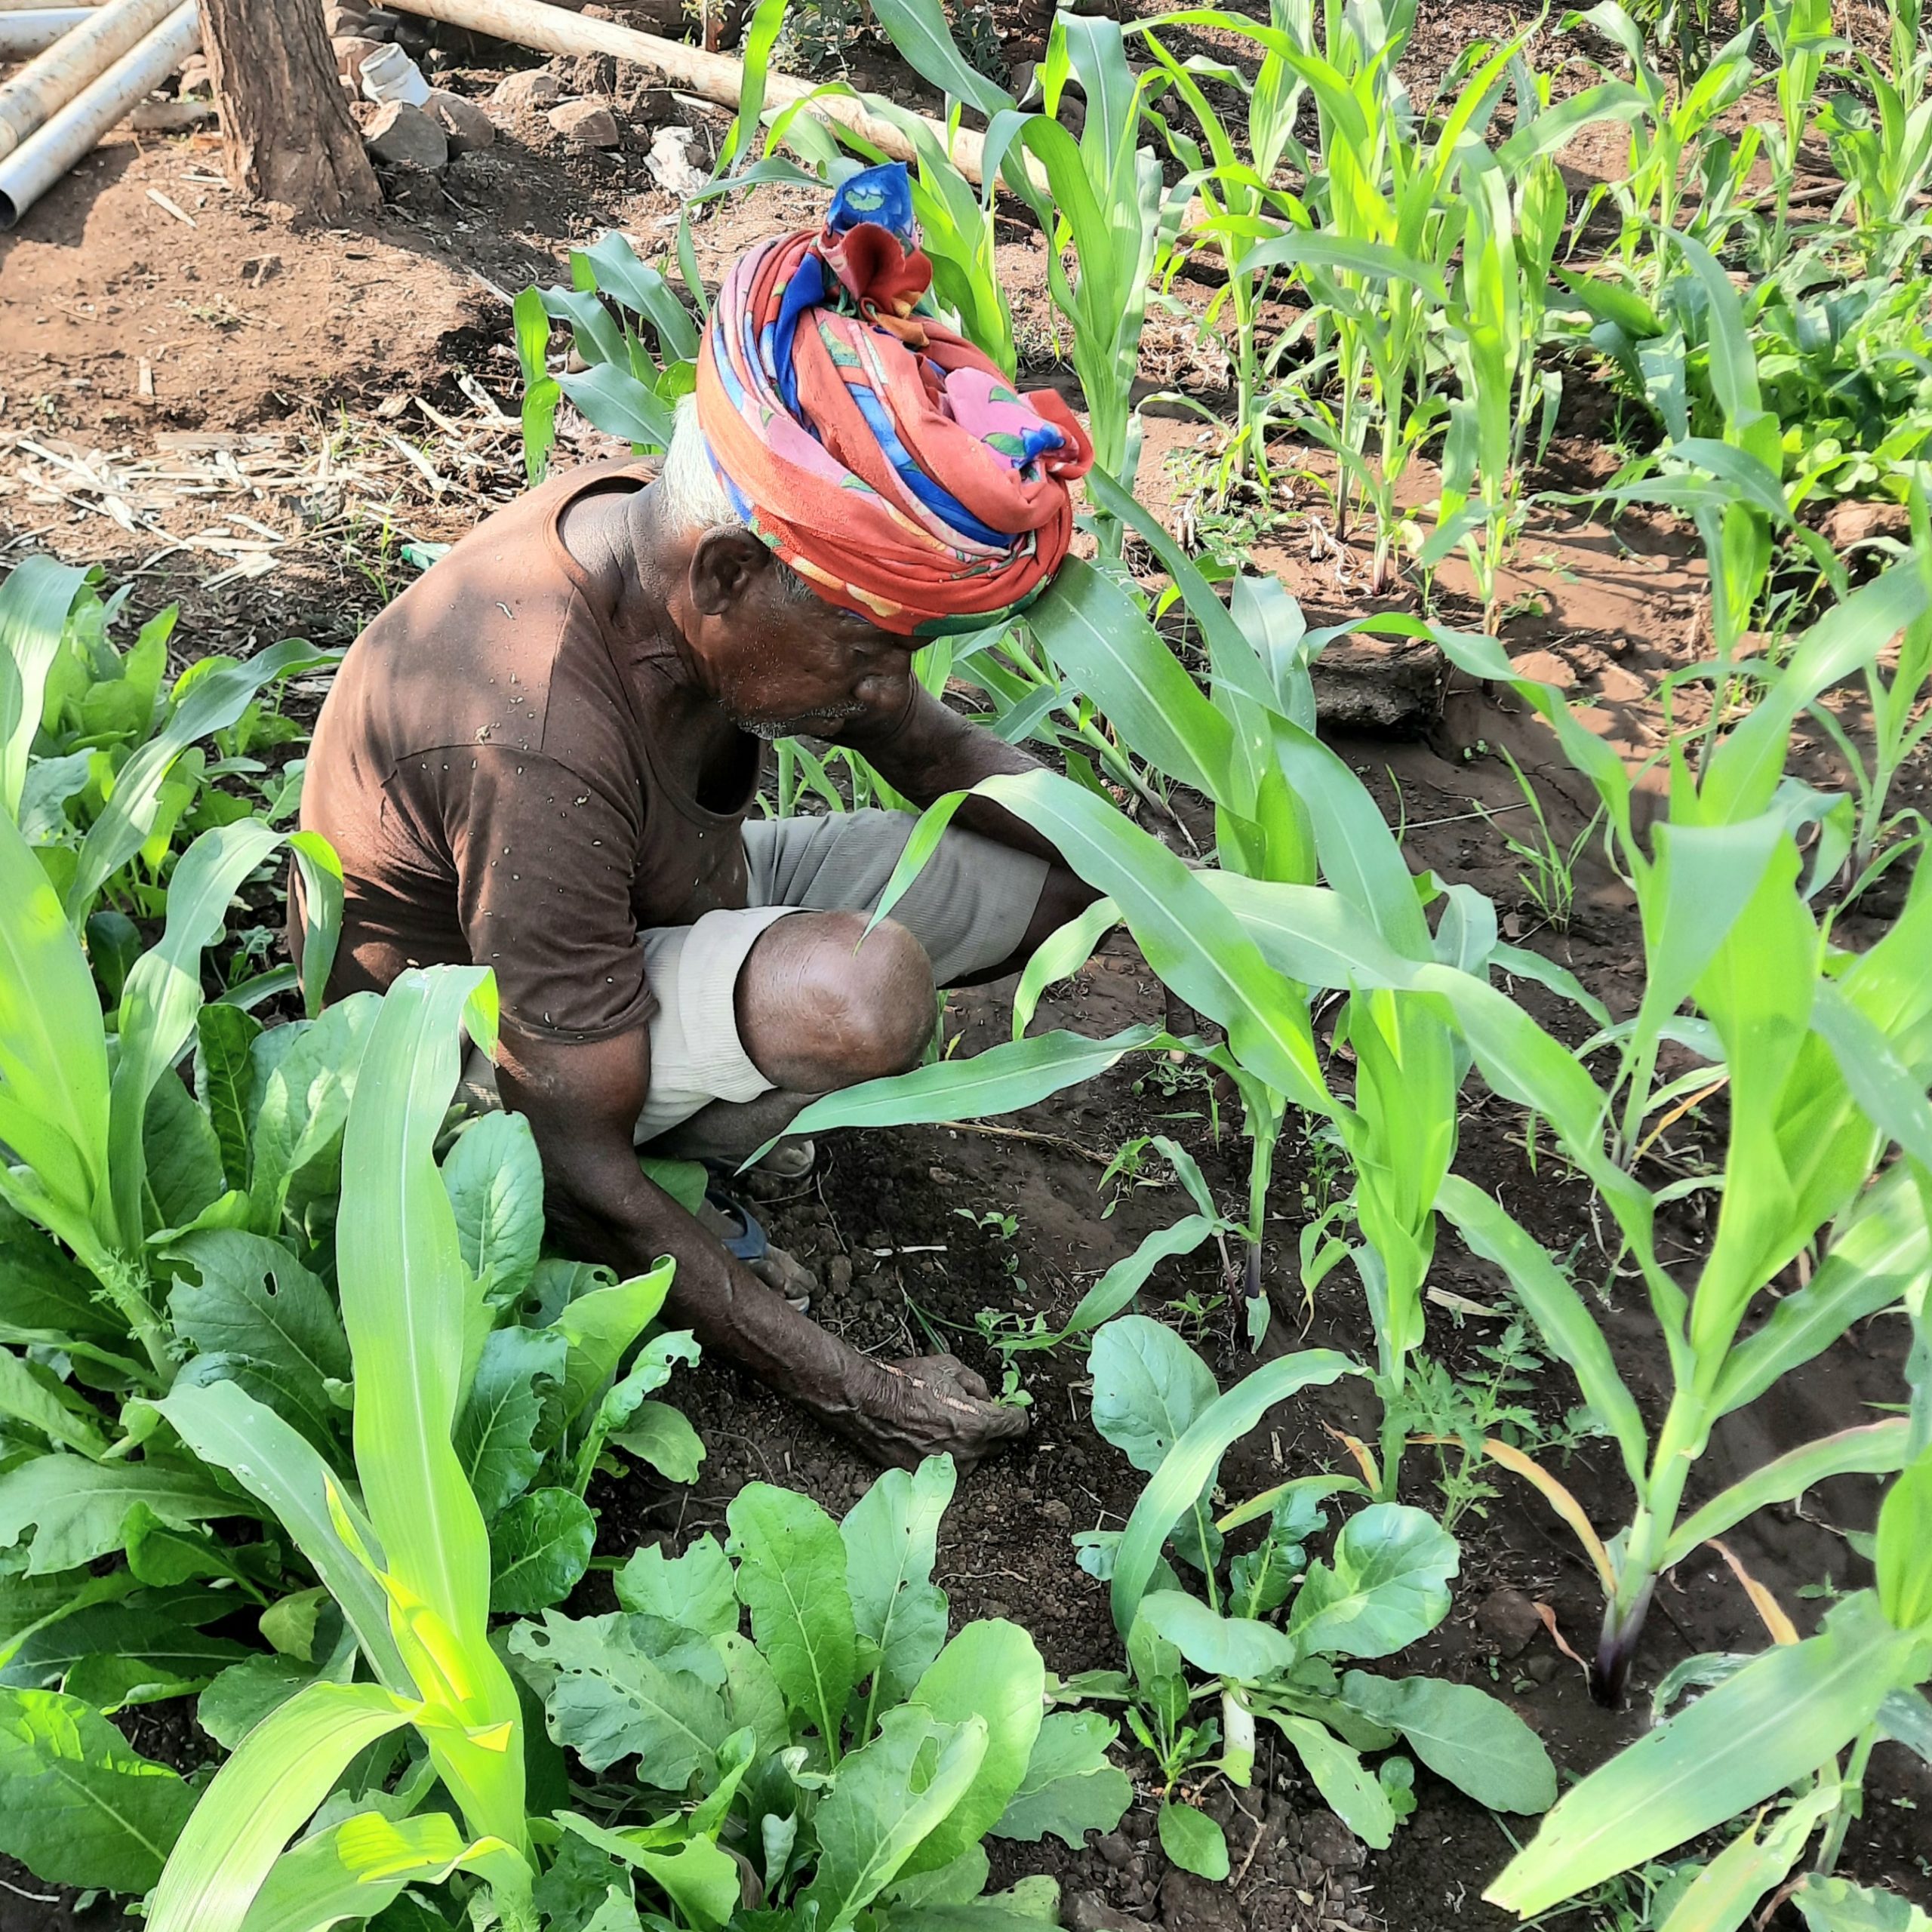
(475, 651)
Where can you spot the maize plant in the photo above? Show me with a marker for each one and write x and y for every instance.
(409, 1564)
(1776, 1724)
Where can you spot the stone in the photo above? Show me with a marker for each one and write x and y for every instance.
(1848, 523)
(1541, 1667)
(1087, 1912)
(384, 25)
(1188, 1904)
(1056, 1512)
(351, 50)
(400, 136)
(588, 123)
(464, 124)
(525, 92)
(670, 164)
(1509, 1620)
(838, 1273)
(1115, 1849)
(1389, 686)
(1329, 1842)
(345, 17)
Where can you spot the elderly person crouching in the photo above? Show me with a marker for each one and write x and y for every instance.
(544, 757)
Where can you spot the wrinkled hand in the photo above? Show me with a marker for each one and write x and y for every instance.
(931, 1405)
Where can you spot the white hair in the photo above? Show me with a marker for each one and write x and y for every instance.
(693, 497)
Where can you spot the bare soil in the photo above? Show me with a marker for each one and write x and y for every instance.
(313, 402)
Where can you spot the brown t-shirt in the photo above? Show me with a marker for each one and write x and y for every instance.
(484, 768)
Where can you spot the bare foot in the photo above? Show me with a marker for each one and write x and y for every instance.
(932, 1405)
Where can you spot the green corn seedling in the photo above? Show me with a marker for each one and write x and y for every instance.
(1779, 1723)
(1899, 725)
(1799, 34)
(1675, 120)
(1883, 151)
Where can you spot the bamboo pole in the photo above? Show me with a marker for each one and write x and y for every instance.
(715, 77)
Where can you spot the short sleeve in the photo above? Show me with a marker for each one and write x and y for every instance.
(543, 860)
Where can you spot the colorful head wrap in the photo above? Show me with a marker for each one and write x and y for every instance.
(882, 456)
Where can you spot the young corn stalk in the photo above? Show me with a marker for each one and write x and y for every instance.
(1101, 195)
(1674, 123)
(1799, 34)
(1234, 189)
(1507, 406)
(1900, 724)
(409, 1565)
(1824, 1058)
(1776, 1725)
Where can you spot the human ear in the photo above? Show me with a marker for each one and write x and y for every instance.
(728, 561)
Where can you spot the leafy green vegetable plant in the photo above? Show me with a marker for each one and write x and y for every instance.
(840, 1764)
(1383, 1586)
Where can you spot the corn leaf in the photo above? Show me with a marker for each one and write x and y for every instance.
(1772, 1723)
(280, 1772)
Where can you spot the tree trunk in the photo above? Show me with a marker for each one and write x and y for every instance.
(286, 132)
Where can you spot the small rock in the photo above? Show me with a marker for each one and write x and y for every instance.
(1114, 1851)
(1055, 1512)
(1848, 523)
(344, 17)
(1087, 1912)
(588, 123)
(1188, 1904)
(384, 24)
(466, 125)
(351, 50)
(522, 93)
(1509, 1620)
(400, 136)
(1329, 1842)
(669, 161)
(838, 1273)
(1541, 1668)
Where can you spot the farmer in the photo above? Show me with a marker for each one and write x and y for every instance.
(544, 758)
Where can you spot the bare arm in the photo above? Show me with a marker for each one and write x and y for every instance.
(928, 750)
(581, 1102)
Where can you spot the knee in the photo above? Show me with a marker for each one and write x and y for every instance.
(836, 1005)
(875, 991)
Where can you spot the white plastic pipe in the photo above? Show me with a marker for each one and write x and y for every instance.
(46, 155)
(32, 30)
(49, 82)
